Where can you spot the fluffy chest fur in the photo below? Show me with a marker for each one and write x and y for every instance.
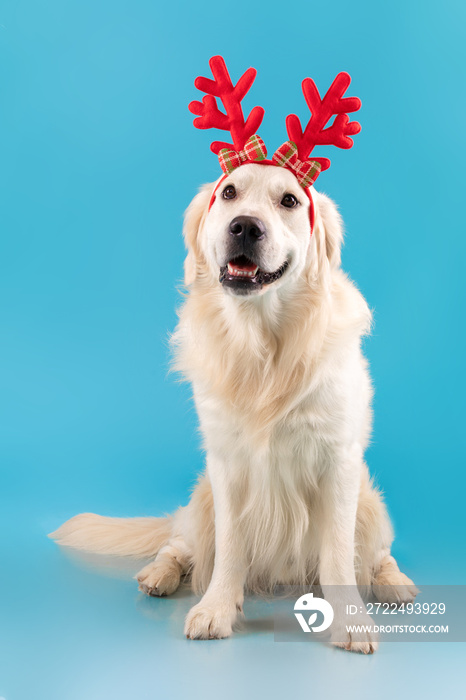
(279, 389)
(281, 371)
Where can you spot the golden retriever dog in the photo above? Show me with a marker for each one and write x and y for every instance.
(269, 336)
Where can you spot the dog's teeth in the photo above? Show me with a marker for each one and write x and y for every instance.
(236, 272)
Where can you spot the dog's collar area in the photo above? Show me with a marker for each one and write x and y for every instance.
(243, 276)
(267, 162)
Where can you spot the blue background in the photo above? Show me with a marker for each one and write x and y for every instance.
(98, 160)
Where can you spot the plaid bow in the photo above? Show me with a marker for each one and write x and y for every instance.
(306, 171)
(254, 149)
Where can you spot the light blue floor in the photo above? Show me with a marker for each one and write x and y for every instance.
(73, 629)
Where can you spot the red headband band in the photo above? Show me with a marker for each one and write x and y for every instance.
(248, 147)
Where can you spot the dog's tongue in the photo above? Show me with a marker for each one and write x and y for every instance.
(242, 267)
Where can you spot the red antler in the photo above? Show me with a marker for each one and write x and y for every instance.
(233, 121)
(321, 111)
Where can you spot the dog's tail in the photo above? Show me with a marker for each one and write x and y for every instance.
(133, 537)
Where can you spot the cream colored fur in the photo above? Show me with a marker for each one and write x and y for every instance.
(283, 396)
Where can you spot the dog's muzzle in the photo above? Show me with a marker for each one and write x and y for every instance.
(243, 273)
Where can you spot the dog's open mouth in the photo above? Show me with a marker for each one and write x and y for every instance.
(243, 275)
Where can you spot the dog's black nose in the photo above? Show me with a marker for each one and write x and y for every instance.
(248, 227)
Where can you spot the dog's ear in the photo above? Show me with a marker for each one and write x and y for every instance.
(193, 220)
(329, 226)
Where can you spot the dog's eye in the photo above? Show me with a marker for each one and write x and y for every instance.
(229, 192)
(289, 201)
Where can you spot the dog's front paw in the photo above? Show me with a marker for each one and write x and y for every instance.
(358, 636)
(366, 647)
(205, 621)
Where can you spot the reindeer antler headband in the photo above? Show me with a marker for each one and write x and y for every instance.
(248, 147)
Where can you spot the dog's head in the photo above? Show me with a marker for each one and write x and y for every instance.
(256, 236)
